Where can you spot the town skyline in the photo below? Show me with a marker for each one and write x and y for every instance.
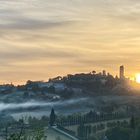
(121, 74)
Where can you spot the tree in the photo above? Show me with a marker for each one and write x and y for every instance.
(51, 89)
(84, 131)
(26, 94)
(58, 138)
(52, 118)
(81, 131)
(105, 138)
(137, 134)
(119, 133)
(132, 123)
(93, 72)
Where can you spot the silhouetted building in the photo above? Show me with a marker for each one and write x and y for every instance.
(104, 73)
(122, 72)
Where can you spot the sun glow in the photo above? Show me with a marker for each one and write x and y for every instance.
(138, 78)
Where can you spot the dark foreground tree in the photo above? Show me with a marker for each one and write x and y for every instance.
(136, 135)
(119, 133)
(132, 123)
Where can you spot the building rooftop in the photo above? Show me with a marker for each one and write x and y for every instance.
(55, 132)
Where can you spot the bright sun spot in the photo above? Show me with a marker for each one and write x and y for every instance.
(138, 78)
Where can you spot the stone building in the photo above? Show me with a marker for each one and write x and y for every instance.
(55, 132)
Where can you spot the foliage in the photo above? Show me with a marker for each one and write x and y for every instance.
(119, 133)
(38, 123)
(36, 135)
(132, 123)
(84, 131)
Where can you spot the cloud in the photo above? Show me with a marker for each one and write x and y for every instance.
(32, 24)
(66, 36)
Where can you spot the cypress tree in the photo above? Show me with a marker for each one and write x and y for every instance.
(132, 122)
(52, 118)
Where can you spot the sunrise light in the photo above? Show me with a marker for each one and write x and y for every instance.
(138, 78)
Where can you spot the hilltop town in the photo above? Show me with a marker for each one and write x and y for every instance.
(92, 89)
(81, 101)
(70, 86)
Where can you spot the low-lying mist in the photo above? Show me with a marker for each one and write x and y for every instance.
(37, 104)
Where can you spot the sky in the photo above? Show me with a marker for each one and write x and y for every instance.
(40, 39)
